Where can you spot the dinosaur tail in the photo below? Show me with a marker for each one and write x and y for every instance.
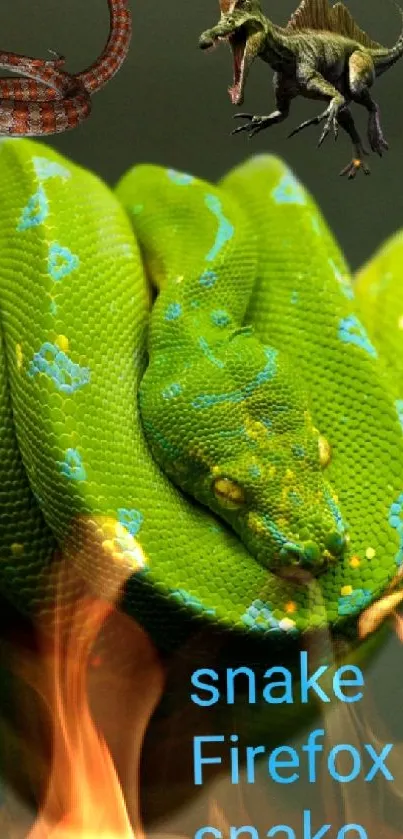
(385, 58)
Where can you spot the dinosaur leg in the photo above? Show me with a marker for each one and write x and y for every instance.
(283, 95)
(347, 123)
(314, 86)
(361, 78)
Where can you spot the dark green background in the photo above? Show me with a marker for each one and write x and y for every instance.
(169, 105)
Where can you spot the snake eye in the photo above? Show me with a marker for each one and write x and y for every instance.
(228, 492)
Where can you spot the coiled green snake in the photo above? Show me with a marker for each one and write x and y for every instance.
(237, 443)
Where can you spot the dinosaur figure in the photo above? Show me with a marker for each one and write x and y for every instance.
(320, 54)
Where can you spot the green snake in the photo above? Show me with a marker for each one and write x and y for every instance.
(234, 440)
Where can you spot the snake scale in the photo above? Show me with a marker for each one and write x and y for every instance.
(236, 443)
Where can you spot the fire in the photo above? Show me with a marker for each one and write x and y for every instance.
(85, 798)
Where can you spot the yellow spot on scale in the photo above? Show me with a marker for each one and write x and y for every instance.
(355, 562)
(346, 591)
(62, 342)
(122, 547)
(400, 322)
(272, 472)
(289, 475)
(290, 607)
(256, 524)
(325, 452)
(17, 548)
(286, 624)
(105, 554)
(108, 545)
(255, 430)
(18, 355)
(179, 279)
(370, 553)
(285, 492)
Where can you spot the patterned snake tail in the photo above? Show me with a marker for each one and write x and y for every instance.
(47, 100)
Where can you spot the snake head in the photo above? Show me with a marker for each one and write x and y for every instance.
(234, 431)
(243, 26)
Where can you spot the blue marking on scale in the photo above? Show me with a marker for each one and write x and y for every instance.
(289, 191)
(336, 514)
(225, 230)
(72, 467)
(189, 600)
(220, 318)
(172, 390)
(208, 279)
(343, 280)
(173, 311)
(279, 537)
(49, 169)
(180, 178)
(352, 604)
(255, 471)
(207, 351)
(61, 261)
(130, 519)
(56, 365)
(399, 409)
(351, 331)
(396, 521)
(35, 212)
(242, 393)
(259, 616)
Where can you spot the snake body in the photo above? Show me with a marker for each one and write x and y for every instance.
(45, 99)
(236, 444)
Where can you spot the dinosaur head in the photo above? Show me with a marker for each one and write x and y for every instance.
(242, 25)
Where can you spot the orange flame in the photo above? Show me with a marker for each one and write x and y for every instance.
(84, 798)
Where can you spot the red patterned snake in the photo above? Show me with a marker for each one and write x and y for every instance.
(45, 99)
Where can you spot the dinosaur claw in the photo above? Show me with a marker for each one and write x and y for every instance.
(253, 124)
(323, 136)
(306, 124)
(375, 134)
(353, 167)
